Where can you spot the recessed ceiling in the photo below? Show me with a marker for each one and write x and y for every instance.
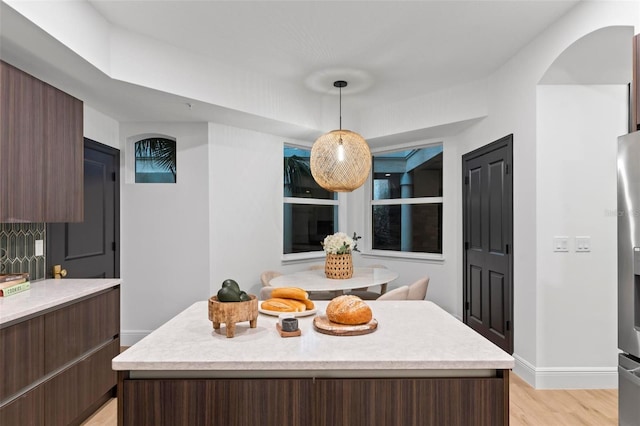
(406, 47)
(393, 50)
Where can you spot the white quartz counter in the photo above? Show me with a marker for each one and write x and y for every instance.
(411, 336)
(48, 294)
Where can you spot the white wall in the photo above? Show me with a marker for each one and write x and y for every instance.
(577, 128)
(101, 128)
(165, 232)
(512, 109)
(245, 197)
(246, 205)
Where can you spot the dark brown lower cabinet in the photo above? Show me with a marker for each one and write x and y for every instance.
(26, 410)
(64, 386)
(81, 387)
(316, 402)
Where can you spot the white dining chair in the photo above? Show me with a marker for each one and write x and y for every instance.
(400, 293)
(365, 293)
(267, 276)
(265, 292)
(418, 290)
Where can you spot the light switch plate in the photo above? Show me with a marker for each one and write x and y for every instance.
(561, 244)
(583, 244)
(39, 249)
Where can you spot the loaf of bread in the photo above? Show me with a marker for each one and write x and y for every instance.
(309, 304)
(283, 305)
(349, 310)
(294, 295)
(290, 293)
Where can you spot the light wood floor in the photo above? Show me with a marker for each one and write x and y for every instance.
(527, 407)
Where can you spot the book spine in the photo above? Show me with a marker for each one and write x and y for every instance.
(15, 289)
(8, 284)
(13, 277)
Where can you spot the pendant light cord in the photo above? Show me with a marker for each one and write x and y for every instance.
(340, 107)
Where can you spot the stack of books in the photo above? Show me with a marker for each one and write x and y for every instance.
(14, 283)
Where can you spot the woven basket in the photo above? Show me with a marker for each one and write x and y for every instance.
(338, 266)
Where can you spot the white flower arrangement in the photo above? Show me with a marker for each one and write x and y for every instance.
(340, 243)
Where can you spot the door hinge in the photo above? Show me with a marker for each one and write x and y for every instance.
(113, 246)
(506, 249)
(113, 176)
(508, 325)
(466, 306)
(466, 245)
(466, 180)
(506, 169)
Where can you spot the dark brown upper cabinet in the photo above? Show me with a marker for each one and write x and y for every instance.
(41, 151)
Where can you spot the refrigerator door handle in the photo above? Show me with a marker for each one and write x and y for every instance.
(630, 374)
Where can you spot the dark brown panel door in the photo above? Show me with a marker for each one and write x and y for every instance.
(488, 241)
(90, 249)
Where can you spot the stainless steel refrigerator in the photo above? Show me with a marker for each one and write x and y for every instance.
(629, 279)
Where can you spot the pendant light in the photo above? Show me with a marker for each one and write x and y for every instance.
(340, 159)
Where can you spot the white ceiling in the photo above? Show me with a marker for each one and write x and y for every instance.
(392, 50)
(407, 47)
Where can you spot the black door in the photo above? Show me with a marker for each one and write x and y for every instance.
(488, 241)
(90, 249)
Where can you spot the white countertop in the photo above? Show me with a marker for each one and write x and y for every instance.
(411, 335)
(47, 294)
(316, 280)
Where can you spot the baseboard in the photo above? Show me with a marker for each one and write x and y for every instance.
(525, 370)
(566, 377)
(577, 378)
(129, 338)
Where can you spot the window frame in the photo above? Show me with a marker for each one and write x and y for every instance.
(339, 202)
(368, 250)
(151, 159)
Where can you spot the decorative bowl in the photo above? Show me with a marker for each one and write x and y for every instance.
(231, 313)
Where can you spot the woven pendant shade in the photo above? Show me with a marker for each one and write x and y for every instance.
(340, 169)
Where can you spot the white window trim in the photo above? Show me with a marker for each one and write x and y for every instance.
(401, 201)
(340, 201)
(368, 251)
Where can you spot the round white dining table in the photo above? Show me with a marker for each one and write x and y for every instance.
(315, 280)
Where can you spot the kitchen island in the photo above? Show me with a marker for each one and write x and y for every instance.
(420, 367)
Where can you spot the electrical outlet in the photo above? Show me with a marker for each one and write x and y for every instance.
(39, 249)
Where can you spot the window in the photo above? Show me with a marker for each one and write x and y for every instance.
(155, 161)
(406, 201)
(310, 212)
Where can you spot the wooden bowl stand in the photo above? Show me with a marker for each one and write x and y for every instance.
(231, 313)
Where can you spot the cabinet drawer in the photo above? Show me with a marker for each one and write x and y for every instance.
(21, 356)
(76, 329)
(26, 410)
(69, 394)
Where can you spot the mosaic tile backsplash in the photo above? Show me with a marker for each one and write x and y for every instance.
(17, 249)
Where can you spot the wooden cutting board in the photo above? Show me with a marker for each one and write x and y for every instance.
(323, 325)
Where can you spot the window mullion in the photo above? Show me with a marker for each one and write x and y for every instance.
(395, 201)
(311, 201)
